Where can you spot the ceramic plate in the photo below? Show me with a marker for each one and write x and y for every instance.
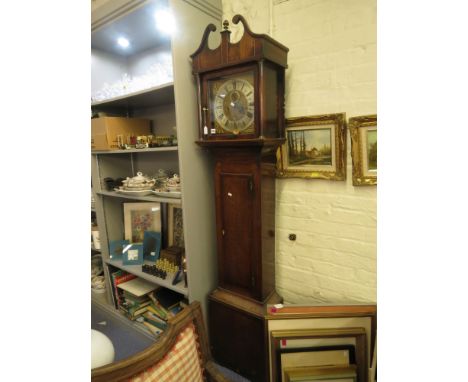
(134, 193)
(167, 194)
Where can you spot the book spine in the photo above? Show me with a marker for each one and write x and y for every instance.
(154, 309)
(158, 324)
(134, 313)
(154, 330)
(115, 294)
(124, 278)
(119, 280)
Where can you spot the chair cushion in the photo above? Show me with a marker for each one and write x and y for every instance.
(181, 363)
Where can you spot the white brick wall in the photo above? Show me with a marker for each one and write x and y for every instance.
(332, 68)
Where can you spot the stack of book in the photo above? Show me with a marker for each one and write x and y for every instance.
(164, 305)
(135, 297)
(133, 306)
(149, 304)
(119, 277)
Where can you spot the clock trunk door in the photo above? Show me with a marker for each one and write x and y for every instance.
(237, 215)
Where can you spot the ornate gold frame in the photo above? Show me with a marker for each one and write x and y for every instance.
(358, 149)
(339, 159)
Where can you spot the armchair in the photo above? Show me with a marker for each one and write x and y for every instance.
(182, 353)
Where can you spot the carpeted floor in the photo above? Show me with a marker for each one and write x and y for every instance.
(128, 341)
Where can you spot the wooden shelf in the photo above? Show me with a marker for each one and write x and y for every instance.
(136, 270)
(129, 151)
(151, 97)
(147, 198)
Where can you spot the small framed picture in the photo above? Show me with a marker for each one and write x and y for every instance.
(133, 254)
(363, 131)
(151, 245)
(315, 148)
(175, 226)
(116, 248)
(139, 218)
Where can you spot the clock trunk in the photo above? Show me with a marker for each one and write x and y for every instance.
(245, 220)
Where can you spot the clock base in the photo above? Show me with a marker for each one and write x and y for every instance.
(238, 333)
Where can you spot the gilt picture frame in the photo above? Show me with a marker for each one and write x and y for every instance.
(363, 132)
(139, 218)
(315, 148)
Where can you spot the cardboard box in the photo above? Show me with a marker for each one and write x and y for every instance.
(104, 131)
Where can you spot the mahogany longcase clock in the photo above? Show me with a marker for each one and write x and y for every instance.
(241, 120)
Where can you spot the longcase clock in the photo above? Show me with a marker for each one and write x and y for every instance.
(241, 121)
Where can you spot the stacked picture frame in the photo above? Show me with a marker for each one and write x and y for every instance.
(322, 343)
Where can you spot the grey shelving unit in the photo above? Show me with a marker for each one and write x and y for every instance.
(172, 108)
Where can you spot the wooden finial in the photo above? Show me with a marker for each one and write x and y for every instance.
(225, 25)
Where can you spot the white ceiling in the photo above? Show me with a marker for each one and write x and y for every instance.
(138, 27)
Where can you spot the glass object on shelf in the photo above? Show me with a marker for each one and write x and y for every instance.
(161, 178)
(157, 74)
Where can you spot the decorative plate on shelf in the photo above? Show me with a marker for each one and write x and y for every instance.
(167, 194)
(133, 193)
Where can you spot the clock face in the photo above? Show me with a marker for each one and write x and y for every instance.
(232, 104)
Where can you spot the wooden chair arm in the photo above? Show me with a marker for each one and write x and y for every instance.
(213, 373)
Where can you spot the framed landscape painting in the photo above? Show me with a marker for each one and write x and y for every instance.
(363, 131)
(315, 148)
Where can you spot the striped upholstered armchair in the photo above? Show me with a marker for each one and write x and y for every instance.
(181, 354)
